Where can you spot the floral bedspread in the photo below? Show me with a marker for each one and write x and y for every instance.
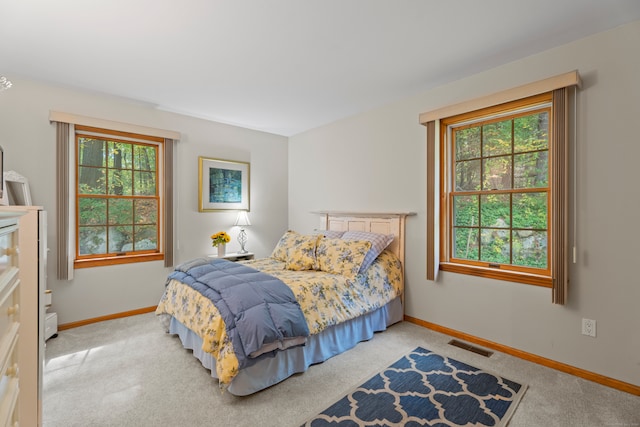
(326, 300)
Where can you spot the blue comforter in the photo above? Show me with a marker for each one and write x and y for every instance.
(259, 310)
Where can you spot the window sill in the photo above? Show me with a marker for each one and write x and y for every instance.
(114, 260)
(490, 273)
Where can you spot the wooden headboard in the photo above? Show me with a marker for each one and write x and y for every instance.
(384, 223)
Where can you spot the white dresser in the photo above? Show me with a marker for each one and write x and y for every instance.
(9, 319)
(32, 265)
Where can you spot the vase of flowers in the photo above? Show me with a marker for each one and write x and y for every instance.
(219, 240)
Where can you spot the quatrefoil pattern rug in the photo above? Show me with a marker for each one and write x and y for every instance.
(424, 388)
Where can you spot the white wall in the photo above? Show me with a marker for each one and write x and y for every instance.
(28, 140)
(375, 161)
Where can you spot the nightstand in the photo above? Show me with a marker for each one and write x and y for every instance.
(235, 256)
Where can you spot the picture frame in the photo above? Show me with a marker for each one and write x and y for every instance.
(16, 190)
(222, 185)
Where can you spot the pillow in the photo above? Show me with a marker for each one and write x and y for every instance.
(344, 257)
(379, 243)
(289, 240)
(301, 253)
(330, 234)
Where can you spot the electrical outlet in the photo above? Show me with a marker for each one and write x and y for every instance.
(589, 327)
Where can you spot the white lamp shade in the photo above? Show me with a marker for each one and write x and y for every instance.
(243, 219)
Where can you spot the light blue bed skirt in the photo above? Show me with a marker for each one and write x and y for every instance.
(269, 371)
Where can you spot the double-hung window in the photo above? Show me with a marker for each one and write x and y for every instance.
(497, 185)
(118, 197)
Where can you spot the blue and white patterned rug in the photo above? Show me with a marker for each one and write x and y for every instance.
(424, 388)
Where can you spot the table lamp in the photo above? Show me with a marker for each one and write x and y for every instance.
(242, 221)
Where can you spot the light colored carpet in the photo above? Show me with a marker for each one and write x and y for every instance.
(128, 372)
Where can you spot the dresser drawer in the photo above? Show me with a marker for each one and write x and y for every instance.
(9, 383)
(8, 248)
(9, 300)
(8, 272)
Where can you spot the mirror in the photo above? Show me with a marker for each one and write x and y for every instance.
(16, 190)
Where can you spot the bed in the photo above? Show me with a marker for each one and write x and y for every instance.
(345, 280)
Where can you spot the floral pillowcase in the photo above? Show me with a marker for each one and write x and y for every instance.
(297, 251)
(302, 255)
(286, 241)
(342, 257)
(346, 256)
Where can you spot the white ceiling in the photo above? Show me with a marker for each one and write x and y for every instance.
(282, 66)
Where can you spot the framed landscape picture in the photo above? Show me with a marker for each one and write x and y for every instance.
(222, 184)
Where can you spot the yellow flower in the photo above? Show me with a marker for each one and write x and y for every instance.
(220, 238)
